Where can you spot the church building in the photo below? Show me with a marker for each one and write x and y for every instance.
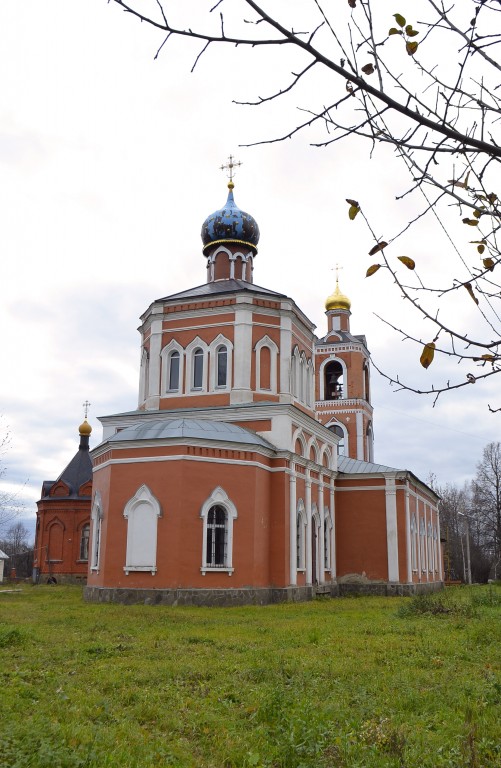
(246, 474)
(61, 552)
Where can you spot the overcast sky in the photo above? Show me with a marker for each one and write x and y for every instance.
(109, 163)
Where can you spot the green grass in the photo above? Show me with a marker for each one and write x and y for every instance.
(367, 682)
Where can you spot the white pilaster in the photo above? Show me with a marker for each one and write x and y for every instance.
(360, 436)
(293, 526)
(241, 390)
(308, 528)
(391, 528)
(408, 553)
(321, 564)
(285, 359)
(333, 532)
(154, 363)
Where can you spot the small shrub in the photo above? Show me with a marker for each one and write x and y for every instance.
(436, 604)
(10, 637)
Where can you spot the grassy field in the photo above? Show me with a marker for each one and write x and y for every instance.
(366, 682)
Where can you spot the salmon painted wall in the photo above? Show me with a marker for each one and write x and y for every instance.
(361, 544)
(181, 488)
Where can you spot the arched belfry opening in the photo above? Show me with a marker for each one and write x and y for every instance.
(334, 380)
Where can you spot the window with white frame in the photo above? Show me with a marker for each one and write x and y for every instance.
(174, 368)
(327, 539)
(300, 536)
(221, 366)
(422, 544)
(339, 431)
(217, 537)
(142, 512)
(220, 353)
(435, 549)
(218, 513)
(414, 563)
(430, 547)
(296, 373)
(197, 368)
(266, 354)
(172, 357)
(84, 542)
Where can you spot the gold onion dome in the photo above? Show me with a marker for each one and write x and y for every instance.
(337, 300)
(84, 428)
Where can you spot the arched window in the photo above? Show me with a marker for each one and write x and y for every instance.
(435, 548)
(142, 513)
(367, 393)
(217, 540)
(430, 548)
(341, 446)
(218, 514)
(300, 536)
(174, 368)
(222, 366)
(84, 542)
(414, 563)
(333, 380)
(198, 368)
(264, 368)
(422, 544)
(327, 540)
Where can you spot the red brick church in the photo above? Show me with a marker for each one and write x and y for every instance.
(246, 474)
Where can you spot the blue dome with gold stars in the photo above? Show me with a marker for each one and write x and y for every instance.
(230, 225)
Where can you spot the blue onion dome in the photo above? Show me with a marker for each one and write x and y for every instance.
(230, 225)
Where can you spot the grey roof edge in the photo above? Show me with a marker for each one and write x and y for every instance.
(189, 430)
(220, 287)
(347, 466)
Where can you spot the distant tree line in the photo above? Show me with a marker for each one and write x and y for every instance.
(470, 522)
(15, 543)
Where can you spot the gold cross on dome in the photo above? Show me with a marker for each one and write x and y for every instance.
(337, 268)
(86, 407)
(230, 165)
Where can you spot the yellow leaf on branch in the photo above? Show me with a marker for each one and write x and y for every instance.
(409, 263)
(379, 247)
(372, 270)
(427, 354)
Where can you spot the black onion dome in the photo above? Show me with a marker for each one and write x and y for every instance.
(230, 225)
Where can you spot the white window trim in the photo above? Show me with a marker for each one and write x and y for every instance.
(298, 435)
(336, 423)
(192, 346)
(301, 544)
(295, 368)
(220, 498)
(142, 495)
(220, 341)
(327, 523)
(270, 344)
(172, 346)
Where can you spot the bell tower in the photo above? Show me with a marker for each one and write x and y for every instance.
(342, 381)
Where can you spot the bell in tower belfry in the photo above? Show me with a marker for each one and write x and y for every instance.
(342, 381)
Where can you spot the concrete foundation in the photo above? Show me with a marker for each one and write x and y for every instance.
(249, 596)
